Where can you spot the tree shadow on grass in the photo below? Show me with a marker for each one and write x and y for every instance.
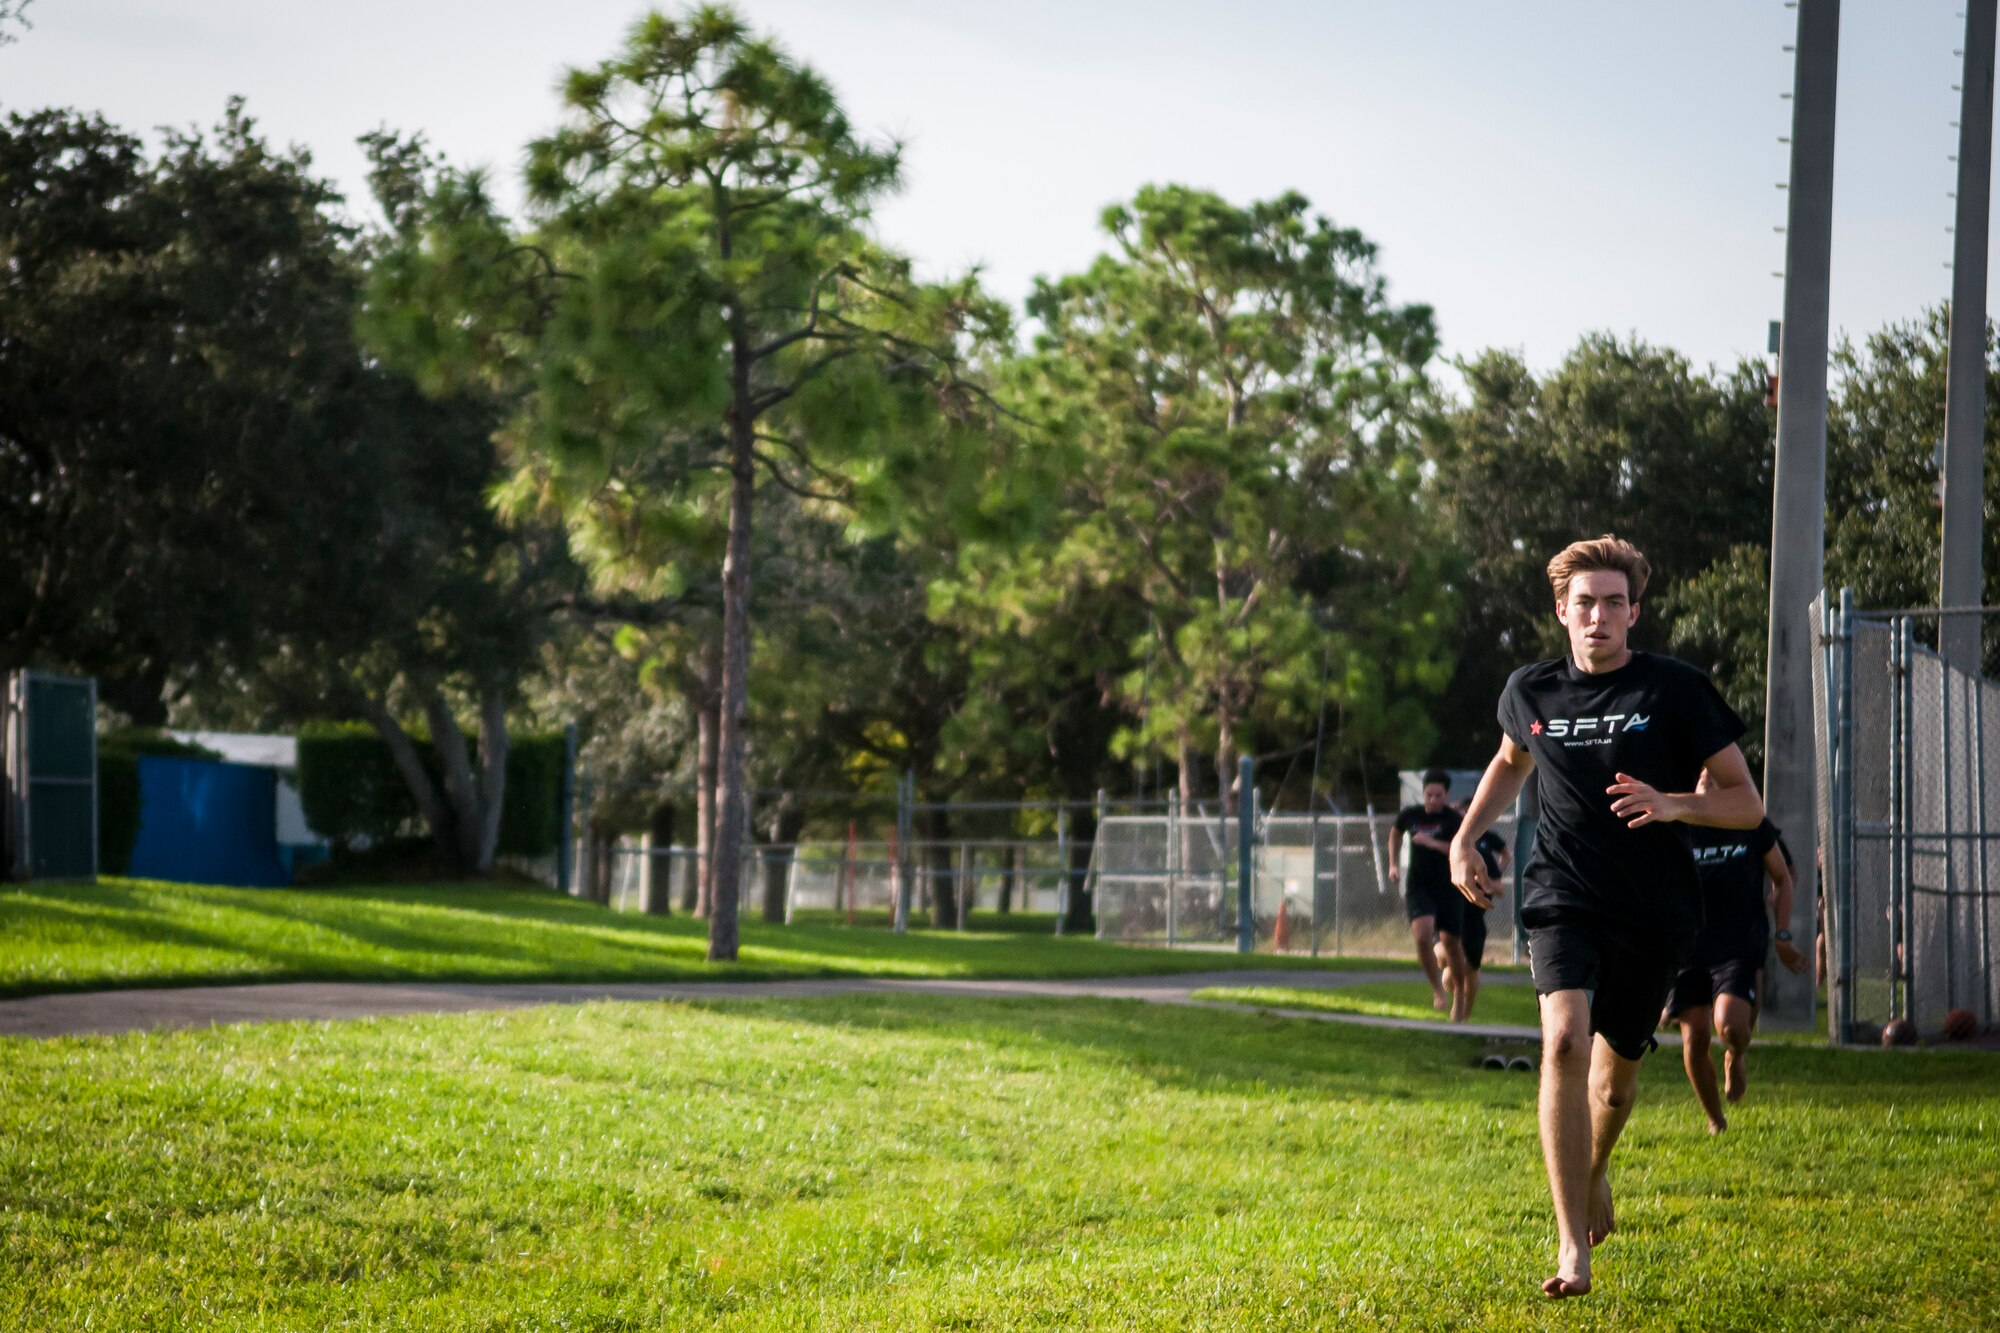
(1226, 1050)
(1170, 1045)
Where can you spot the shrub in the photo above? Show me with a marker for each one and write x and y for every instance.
(532, 808)
(351, 789)
(349, 786)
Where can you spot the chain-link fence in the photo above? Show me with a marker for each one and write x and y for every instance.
(1908, 753)
(1319, 882)
(1147, 872)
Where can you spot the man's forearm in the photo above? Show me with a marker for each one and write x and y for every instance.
(1781, 902)
(1736, 806)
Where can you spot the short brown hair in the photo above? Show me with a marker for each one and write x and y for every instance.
(1609, 553)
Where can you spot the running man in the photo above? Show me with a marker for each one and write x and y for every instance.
(1624, 744)
(1494, 851)
(1718, 987)
(1435, 909)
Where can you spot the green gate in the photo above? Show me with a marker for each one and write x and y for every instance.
(52, 772)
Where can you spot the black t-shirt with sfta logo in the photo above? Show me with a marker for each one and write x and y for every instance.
(1430, 869)
(1731, 865)
(1656, 718)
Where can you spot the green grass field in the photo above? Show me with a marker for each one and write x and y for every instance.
(138, 933)
(917, 1163)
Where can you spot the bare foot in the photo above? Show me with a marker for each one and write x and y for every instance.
(1439, 999)
(1572, 1276)
(1735, 1075)
(1718, 1124)
(1602, 1220)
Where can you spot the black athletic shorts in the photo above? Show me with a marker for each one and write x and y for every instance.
(1473, 936)
(1444, 902)
(1698, 984)
(1628, 976)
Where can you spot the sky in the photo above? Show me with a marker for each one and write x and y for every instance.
(1534, 170)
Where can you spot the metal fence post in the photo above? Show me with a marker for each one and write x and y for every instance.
(899, 851)
(1246, 818)
(1840, 948)
(1980, 850)
(1312, 868)
(963, 900)
(1899, 833)
(1950, 848)
(1339, 872)
(1062, 868)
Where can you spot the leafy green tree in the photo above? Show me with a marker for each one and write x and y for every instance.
(1622, 437)
(176, 412)
(699, 314)
(1232, 399)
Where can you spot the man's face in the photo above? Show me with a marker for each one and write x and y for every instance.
(1599, 614)
(1434, 794)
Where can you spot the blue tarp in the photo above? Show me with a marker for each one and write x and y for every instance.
(203, 822)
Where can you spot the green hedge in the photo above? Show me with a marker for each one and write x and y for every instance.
(531, 813)
(351, 789)
(348, 784)
(118, 797)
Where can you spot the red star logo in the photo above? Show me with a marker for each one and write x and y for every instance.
(1536, 728)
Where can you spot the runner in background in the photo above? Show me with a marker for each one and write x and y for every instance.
(1472, 935)
(1435, 908)
(1718, 988)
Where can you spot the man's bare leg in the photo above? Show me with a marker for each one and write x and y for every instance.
(1456, 972)
(1424, 930)
(1701, 1066)
(1614, 1086)
(1564, 1111)
(1469, 986)
(1735, 1018)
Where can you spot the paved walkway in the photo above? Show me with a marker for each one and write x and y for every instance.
(114, 1011)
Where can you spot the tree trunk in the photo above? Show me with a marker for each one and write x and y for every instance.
(591, 864)
(493, 746)
(787, 822)
(456, 766)
(1191, 838)
(1012, 864)
(436, 814)
(1225, 759)
(660, 869)
(607, 865)
(937, 861)
(732, 804)
(1082, 842)
(700, 885)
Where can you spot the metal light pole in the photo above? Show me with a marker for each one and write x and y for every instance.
(1965, 392)
(1798, 517)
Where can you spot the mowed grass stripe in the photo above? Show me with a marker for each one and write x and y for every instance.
(1510, 1001)
(879, 1162)
(123, 933)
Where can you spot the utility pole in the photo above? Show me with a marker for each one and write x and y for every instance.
(1959, 583)
(1798, 511)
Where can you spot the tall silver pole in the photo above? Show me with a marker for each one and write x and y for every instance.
(1798, 517)
(1965, 394)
